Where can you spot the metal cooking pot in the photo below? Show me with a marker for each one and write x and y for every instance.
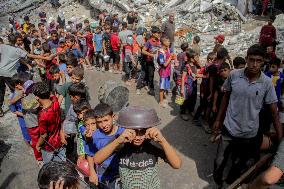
(106, 58)
(137, 117)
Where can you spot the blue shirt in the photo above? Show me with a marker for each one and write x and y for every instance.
(17, 107)
(109, 168)
(98, 40)
(63, 67)
(75, 51)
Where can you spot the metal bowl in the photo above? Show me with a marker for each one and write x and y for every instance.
(137, 117)
(106, 58)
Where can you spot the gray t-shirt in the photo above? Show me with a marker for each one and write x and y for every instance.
(246, 100)
(123, 35)
(9, 58)
(168, 30)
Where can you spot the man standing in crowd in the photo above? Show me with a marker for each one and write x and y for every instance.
(168, 30)
(246, 90)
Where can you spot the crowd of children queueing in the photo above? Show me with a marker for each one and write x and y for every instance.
(53, 79)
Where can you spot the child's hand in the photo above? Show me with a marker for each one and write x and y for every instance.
(80, 158)
(127, 136)
(88, 133)
(154, 134)
(63, 137)
(93, 178)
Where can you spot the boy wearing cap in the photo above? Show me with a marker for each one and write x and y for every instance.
(219, 39)
(137, 155)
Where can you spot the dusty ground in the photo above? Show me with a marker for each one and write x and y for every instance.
(19, 170)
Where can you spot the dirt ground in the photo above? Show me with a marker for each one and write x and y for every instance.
(19, 170)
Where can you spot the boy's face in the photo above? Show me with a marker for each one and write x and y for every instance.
(69, 69)
(139, 137)
(37, 46)
(107, 30)
(75, 79)
(273, 68)
(224, 73)
(74, 99)
(41, 28)
(269, 50)
(156, 35)
(55, 76)
(19, 41)
(19, 87)
(91, 124)
(105, 123)
(80, 115)
(254, 63)
(62, 45)
(98, 30)
(166, 43)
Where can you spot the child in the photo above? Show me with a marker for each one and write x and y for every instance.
(30, 110)
(128, 62)
(80, 107)
(239, 62)
(71, 64)
(62, 46)
(107, 46)
(219, 93)
(71, 48)
(115, 46)
(219, 40)
(98, 46)
(53, 81)
(89, 44)
(195, 45)
(137, 155)
(188, 88)
(105, 133)
(16, 103)
(276, 77)
(204, 90)
(26, 25)
(49, 124)
(76, 77)
(164, 59)
(77, 92)
(62, 68)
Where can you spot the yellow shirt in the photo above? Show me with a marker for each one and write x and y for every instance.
(274, 80)
(26, 27)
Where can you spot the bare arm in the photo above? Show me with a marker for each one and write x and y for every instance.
(276, 123)
(41, 141)
(222, 112)
(214, 109)
(145, 52)
(182, 83)
(93, 178)
(268, 178)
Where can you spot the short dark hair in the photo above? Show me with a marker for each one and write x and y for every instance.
(20, 78)
(45, 47)
(88, 29)
(78, 72)
(211, 56)
(256, 50)
(239, 61)
(54, 171)
(40, 24)
(62, 58)
(81, 105)
(71, 61)
(89, 114)
(34, 31)
(102, 110)
(54, 69)
(115, 29)
(196, 39)
(86, 21)
(184, 46)
(36, 42)
(124, 25)
(222, 53)
(12, 38)
(41, 90)
(190, 53)
(53, 32)
(77, 89)
(276, 62)
(225, 66)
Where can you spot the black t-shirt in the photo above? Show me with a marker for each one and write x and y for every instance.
(106, 38)
(213, 71)
(139, 158)
(220, 91)
(130, 19)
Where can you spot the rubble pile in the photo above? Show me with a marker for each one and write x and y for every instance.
(278, 23)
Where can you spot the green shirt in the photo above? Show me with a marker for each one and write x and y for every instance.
(63, 90)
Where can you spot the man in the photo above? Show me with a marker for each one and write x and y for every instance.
(246, 90)
(168, 30)
(9, 62)
(267, 36)
(124, 33)
(273, 174)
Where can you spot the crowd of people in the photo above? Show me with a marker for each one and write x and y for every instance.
(43, 65)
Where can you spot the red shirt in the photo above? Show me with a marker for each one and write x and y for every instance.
(89, 40)
(49, 123)
(115, 42)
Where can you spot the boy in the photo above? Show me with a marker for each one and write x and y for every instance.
(138, 157)
(239, 63)
(30, 110)
(105, 133)
(106, 45)
(195, 45)
(77, 76)
(71, 64)
(26, 25)
(115, 46)
(98, 46)
(71, 48)
(89, 43)
(63, 68)
(80, 107)
(16, 103)
(129, 61)
(219, 40)
(49, 124)
(164, 59)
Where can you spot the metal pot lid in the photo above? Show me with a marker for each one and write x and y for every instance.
(137, 117)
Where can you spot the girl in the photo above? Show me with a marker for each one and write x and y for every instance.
(188, 87)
